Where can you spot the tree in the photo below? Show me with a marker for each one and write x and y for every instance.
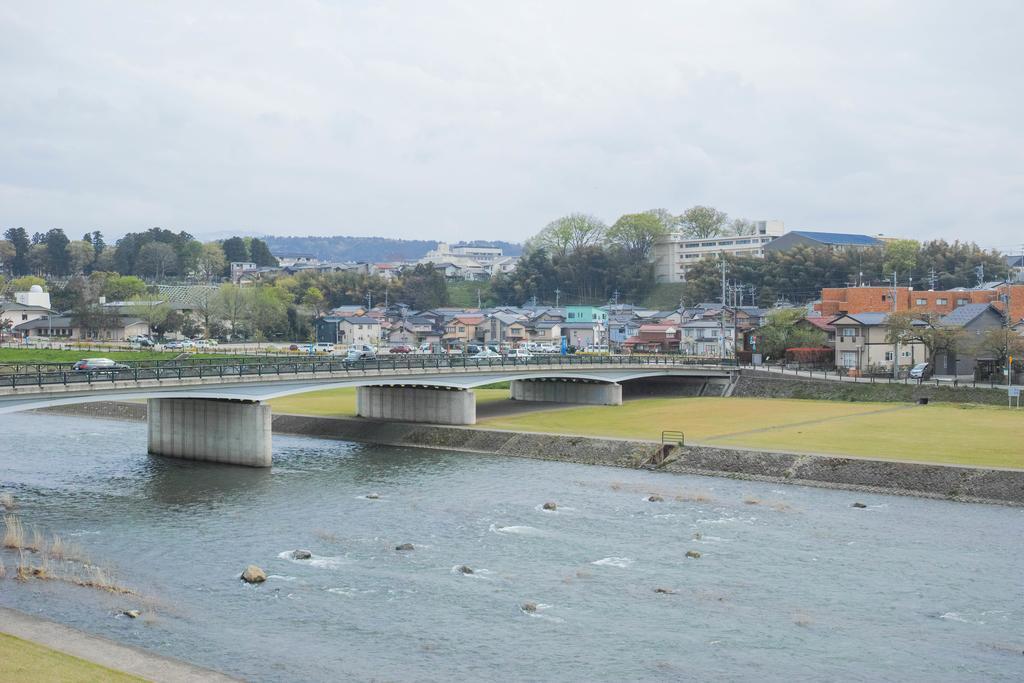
(156, 259)
(20, 241)
(7, 255)
(636, 233)
(423, 287)
(235, 250)
(154, 312)
(742, 226)
(1000, 343)
(25, 282)
(232, 305)
(58, 260)
(781, 332)
(119, 287)
(703, 221)
(901, 257)
(81, 256)
(260, 253)
(268, 312)
(571, 233)
(908, 327)
(313, 298)
(211, 261)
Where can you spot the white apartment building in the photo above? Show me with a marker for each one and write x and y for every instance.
(674, 255)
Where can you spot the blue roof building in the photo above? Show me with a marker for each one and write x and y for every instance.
(836, 241)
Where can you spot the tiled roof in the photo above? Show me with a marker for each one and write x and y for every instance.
(965, 314)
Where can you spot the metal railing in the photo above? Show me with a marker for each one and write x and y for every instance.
(282, 369)
(797, 370)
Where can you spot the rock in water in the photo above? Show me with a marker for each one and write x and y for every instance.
(373, 496)
(464, 569)
(666, 591)
(254, 574)
(549, 506)
(858, 505)
(404, 546)
(655, 498)
(697, 536)
(302, 555)
(528, 607)
(693, 554)
(133, 613)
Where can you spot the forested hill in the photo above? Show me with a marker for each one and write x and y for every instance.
(372, 249)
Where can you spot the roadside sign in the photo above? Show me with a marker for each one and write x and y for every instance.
(1014, 392)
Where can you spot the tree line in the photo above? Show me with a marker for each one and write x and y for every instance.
(155, 254)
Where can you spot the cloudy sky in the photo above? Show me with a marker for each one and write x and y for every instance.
(476, 119)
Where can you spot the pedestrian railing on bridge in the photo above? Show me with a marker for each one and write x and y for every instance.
(286, 368)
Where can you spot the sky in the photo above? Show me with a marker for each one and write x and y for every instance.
(486, 120)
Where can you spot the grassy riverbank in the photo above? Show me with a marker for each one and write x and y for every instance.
(984, 436)
(22, 660)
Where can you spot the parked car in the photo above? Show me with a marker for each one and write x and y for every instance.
(98, 365)
(360, 352)
(324, 347)
(519, 354)
(401, 348)
(486, 354)
(293, 347)
(921, 371)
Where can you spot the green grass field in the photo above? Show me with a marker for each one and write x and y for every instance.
(342, 402)
(967, 435)
(25, 356)
(21, 660)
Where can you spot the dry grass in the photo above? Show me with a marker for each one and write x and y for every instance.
(92, 576)
(57, 548)
(36, 542)
(24, 571)
(6, 501)
(694, 497)
(3, 569)
(750, 500)
(14, 533)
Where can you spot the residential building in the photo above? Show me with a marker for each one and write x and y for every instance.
(579, 314)
(13, 313)
(582, 334)
(836, 300)
(240, 269)
(288, 260)
(462, 330)
(623, 328)
(116, 328)
(348, 311)
(674, 255)
(654, 338)
(861, 344)
(348, 330)
(707, 337)
(833, 241)
(975, 320)
(505, 327)
(544, 331)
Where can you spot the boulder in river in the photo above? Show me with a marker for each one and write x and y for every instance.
(254, 574)
(549, 506)
(373, 496)
(529, 607)
(464, 569)
(655, 498)
(302, 555)
(666, 591)
(693, 554)
(697, 536)
(132, 613)
(858, 505)
(404, 546)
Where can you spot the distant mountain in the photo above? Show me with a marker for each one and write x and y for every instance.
(372, 249)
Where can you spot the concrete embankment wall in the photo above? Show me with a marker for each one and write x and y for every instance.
(969, 484)
(759, 384)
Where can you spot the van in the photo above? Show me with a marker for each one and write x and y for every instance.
(324, 347)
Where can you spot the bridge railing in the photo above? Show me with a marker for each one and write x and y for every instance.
(277, 369)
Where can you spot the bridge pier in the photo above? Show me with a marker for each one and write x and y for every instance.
(567, 391)
(212, 430)
(435, 405)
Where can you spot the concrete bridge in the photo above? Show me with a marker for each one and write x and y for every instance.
(219, 413)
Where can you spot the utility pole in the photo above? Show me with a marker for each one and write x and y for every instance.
(558, 293)
(721, 318)
(369, 300)
(980, 272)
(478, 304)
(931, 280)
(896, 341)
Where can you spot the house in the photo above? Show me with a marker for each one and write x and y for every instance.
(505, 327)
(833, 241)
(580, 314)
(545, 332)
(348, 310)
(821, 324)
(463, 329)
(707, 337)
(581, 334)
(114, 328)
(654, 338)
(348, 330)
(12, 313)
(622, 328)
(240, 269)
(974, 320)
(861, 344)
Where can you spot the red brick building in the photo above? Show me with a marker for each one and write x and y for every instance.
(836, 300)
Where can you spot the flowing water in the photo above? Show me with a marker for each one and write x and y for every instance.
(791, 582)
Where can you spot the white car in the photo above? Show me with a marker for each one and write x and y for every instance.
(486, 354)
(519, 354)
(324, 347)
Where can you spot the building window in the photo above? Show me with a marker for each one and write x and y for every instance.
(922, 302)
(961, 302)
(24, 317)
(941, 302)
(849, 332)
(888, 355)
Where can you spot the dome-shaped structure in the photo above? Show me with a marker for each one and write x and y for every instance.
(35, 288)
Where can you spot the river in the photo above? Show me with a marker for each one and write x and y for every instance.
(791, 582)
